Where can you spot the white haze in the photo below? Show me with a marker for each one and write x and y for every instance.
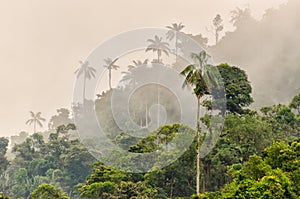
(42, 41)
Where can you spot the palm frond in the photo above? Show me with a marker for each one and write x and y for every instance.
(29, 121)
(38, 115)
(151, 40)
(42, 119)
(149, 48)
(113, 62)
(188, 69)
(39, 123)
(79, 73)
(166, 52)
(145, 61)
(32, 114)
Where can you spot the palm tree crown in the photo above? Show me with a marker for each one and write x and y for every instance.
(173, 33)
(174, 29)
(87, 71)
(158, 46)
(194, 74)
(110, 64)
(35, 119)
(130, 76)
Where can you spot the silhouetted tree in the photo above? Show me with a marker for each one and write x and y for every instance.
(173, 34)
(194, 77)
(129, 75)
(295, 103)
(87, 71)
(218, 26)
(158, 46)
(35, 119)
(110, 64)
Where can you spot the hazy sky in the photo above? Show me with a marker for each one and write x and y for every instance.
(42, 41)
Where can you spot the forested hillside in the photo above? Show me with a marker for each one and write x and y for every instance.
(256, 154)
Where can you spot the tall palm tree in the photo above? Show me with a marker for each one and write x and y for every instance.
(110, 64)
(194, 77)
(35, 119)
(87, 71)
(158, 46)
(173, 33)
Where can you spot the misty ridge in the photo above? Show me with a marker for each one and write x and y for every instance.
(268, 49)
(145, 139)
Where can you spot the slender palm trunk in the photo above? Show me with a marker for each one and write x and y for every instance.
(146, 114)
(158, 107)
(34, 126)
(176, 46)
(84, 82)
(198, 148)
(109, 78)
(158, 57)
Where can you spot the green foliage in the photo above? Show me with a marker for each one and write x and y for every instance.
(60, 162)
(282, 121)
(3, 149)
(258, 179)
(46, 191)
(4, 197)
(295, 103)
(194, 74)
(105, 182)
(237, 87)
(256, 155)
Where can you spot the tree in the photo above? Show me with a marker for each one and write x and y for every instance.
(173, 33)
(23, 183)
(3, 163)
(105, 182)
(110, 65)
(35, 119)
(158, 46)
(47, 191)
(237, 87)
(218, 26)
(194, 77)
(87, 71)
(176, 179)
(295, 103)
(62, 118)
(130, 76)
(240, 16)
(270, 177)
(282, 121)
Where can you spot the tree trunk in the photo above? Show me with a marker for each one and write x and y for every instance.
(172, 182)
(84, 81)
(217, 36)
(146, 114)
(34, 126)
(176, 46)
(158, 107)
(198, 148)
(158, 57)
(109, 78)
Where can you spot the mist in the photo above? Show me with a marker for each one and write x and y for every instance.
(268, 50)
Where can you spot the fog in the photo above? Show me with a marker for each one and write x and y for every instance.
(268, 50)
(42, 41)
